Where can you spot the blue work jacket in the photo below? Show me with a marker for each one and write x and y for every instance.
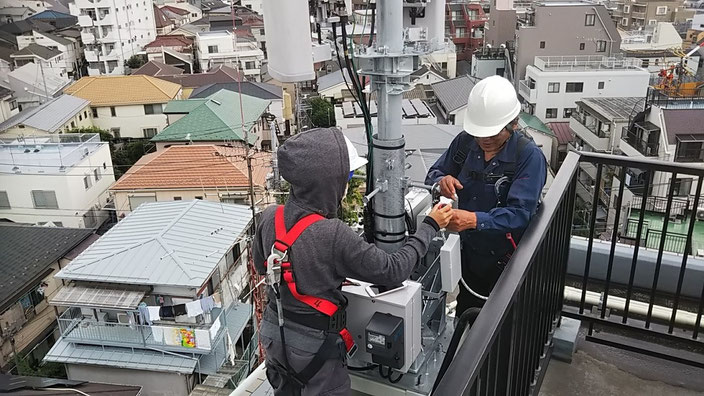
(478, 196)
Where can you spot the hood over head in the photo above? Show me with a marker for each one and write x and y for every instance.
(316, 164)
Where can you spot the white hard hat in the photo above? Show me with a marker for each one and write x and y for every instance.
(356, 161)
(492, 105)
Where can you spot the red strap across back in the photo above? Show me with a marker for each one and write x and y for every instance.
(284, 240)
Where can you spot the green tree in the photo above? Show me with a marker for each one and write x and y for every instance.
(28, 366)
(136, 61)
(123, 154)
(352, 201)
(322, 113)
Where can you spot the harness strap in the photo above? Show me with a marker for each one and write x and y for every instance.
(284, 239)
(319, 304)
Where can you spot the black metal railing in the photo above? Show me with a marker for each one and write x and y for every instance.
(643, 145)
(639, 285)
(512, 337)
(620, 284)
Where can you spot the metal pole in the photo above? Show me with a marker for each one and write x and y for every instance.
(389, 158)
(274, 159)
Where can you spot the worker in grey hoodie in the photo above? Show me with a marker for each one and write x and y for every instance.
(316, 164)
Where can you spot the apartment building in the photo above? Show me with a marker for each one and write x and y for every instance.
(584, 29)
(554, 84)
(223, 48)
(46, 47)
(8, 104)
(32, 87)
(658, 47)
(62, 179)
(27, 269)
(464, 24)
(113, 31)
(127, 106)
(502, 23)
(133, 310)
(635, 15)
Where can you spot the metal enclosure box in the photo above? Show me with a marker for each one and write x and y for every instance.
(450, 263)
(405, 303)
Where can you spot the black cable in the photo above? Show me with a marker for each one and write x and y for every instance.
(381, 372)
(467, 318)
(371, 33)
(393, 381)
(365, 368)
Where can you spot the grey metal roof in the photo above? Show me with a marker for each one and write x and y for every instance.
(332, 79)
(615, 109)
(49, 116)
(453, 94)
(31, 386)
(682, 122)
(58, 39)
(175, 243)
(26, 252)
(250, 88)
(41, 51)
(128, 358)
(428, 143)
(15, 11)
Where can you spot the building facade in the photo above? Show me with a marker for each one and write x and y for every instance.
(464, 23)
(635, 15)
(70, 49)
(113, 31)
(62, 179)
(555, 83)
(221, 48)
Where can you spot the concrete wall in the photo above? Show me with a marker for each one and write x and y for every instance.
(483, 68)
(501, 27)
(130, 119)
(569, 21)
(616, 84)
(122, 201)
(153, 383)
(645, 270)
(72, 197)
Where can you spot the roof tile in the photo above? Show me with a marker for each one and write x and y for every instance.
(123, 90)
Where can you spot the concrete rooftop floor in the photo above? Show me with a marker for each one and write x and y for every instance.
(599, 370)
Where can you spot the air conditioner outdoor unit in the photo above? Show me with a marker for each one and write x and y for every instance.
(700, 214)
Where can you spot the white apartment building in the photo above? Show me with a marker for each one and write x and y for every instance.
(555, 83)
(62, 179)
(113, 31)
(221, 48)
(656, 47)
(71, 52)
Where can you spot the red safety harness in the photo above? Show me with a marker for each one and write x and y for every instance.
(333, 318)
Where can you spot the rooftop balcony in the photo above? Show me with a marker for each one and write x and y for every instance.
(586, 63)
(526, 91)
(634, 299)
(77, 326)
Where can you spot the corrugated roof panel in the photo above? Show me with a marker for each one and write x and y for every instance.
(408, 109)
(421, 108)
(163, 243)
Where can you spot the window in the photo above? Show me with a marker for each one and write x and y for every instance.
(85, 114)
(581, 46)
(601, 85)
(551, 113)
(589, 20)
(624, 21)
(177, 198)
(553, 87)
(212, 49)
(44, 199)
(567, 113)
(13, 104)
(80, 117)
(73, 124)
(542, 44)
(94, 111)
(136, 201)
(115, 132)
(460, 32)
(662, 10)
(113, 112)
(105, 166)
(199, 197)
(97, 174)
(653, 22)
(87, 183)
(626, 9)
(601, 46)
(690, 151)
(250, 65)
(4, 200)
(645, 63)
(683, 187)
(574, 87)
(149, 132)
(261, 31)
(153, 109)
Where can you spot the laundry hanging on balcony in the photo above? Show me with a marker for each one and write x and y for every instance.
(194, 308)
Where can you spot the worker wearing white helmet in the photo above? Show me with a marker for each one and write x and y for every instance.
(303, 328)
(496, 173)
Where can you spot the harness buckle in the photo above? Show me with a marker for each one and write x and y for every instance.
(273, 268)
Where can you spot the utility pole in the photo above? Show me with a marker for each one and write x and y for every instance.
(41, 68)
(276, 184)
(387, 65)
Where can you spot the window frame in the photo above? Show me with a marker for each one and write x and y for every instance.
(601, 46)
(147, 135)
(34, 200)
(94, 110)
(658, 8)
(542, 45)
(601, 85)
(211, 47)
(551, 85)
(113, 111)
(549, 112)
(589, 21)
(574, 84)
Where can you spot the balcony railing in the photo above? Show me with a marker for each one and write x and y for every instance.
(643, 145)
(508, 346)
(76, 327)
(526, 91)
(586, 63)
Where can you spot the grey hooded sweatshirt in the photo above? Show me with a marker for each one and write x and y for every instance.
(316, 165)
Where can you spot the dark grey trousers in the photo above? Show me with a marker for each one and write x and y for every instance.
(331, 380)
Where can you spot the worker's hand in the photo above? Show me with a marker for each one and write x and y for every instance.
(462, 220)
(441, 213)
(449, 186)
